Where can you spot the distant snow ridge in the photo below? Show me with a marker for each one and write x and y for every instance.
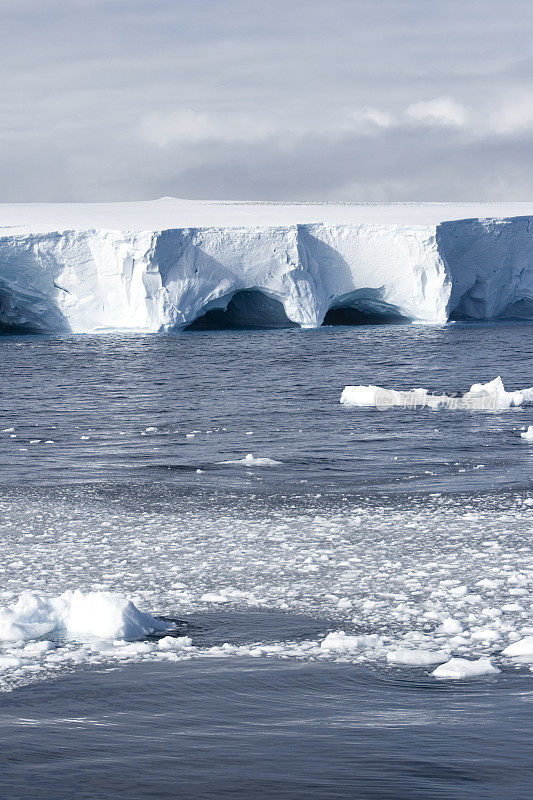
(254, 265)
(490, 396)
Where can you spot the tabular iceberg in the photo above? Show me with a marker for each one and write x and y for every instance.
(170, 264)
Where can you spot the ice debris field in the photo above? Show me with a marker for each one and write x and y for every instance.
(435, 583)
(169, 264)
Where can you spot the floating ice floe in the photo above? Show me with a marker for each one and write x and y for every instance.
(251, 461)
(464, 668)
(524, 647)
(528, 435)
(95, 614)
(341, 642)
(173, 643)
(415, 658)
(214, 597)
(490, 396)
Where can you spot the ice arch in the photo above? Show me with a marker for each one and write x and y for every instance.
(356, 309)
(247, 308)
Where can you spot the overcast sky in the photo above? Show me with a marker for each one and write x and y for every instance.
(266, 99)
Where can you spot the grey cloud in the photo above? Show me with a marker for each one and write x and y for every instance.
(260, 94)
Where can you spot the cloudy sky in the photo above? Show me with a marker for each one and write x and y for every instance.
(266, 99)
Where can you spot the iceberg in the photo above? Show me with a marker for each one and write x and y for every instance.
(491, 396)
(172, 264)
(102, 615)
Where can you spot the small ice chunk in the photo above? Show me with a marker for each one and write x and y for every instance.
(344, 604)
(485, 635)
(214, 597)
(528, 435)
(174, 643)
(450, 625)
(128, 649)
(417, 657)
(341, 642)
(251, 461)
(458, 591)
(7, 662)
(38, 648)
(464, 668)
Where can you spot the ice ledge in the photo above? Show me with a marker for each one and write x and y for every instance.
(88, 280)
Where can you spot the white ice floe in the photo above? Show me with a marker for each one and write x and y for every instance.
(490, 396)
(95, 614)
(214, 597)
(174, 643)
(528, 435)
(341, 642)
(252, 461)
(524, 647)
(464, 668)
(417, 658)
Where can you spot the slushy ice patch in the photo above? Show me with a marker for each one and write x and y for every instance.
(407, 583)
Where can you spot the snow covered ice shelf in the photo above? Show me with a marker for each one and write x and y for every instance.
(169, 263)
(405, 583)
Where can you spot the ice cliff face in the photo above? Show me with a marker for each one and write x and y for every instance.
(93, 278)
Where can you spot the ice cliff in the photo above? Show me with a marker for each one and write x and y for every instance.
(171, 264)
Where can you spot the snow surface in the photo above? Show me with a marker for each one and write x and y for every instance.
(161, 265)
(490, 396)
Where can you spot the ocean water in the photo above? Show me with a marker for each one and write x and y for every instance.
(214, 478)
